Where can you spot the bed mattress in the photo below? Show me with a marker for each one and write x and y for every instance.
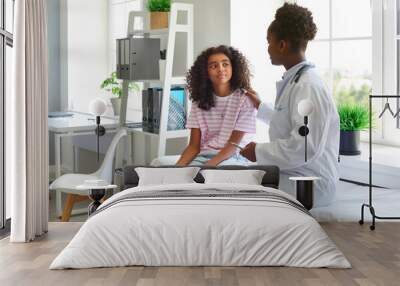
(201, 225)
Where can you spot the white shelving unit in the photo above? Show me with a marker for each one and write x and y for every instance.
(169, 80)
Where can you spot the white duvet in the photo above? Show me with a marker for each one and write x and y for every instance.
(207, 231)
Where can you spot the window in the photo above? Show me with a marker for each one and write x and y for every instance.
(346, 72)
(386, 63)
(359, 57)
(391, 68)
(6, 42)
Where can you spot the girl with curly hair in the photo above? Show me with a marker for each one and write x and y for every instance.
(221, 113)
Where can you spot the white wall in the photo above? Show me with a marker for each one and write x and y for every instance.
(63, 54)
(249, 22)
(53, 33)
(83, 59)
(212, 21)
(87, 32)
(118, 15)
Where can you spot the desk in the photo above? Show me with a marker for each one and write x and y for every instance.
(78, 124)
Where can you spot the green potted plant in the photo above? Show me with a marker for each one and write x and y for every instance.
(115, 86)
(353, 119)
(158, 13)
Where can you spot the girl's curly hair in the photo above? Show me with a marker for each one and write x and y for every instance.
(295, 24)
(198, 83)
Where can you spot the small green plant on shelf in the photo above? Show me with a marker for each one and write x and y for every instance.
(115, 85)
(159, 5)
(353, 117)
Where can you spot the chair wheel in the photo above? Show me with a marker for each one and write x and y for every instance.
(361, 222)
(372, 227)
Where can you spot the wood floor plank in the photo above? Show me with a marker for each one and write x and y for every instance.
(374, 255)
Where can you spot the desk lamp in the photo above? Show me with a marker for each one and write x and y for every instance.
(97, 107)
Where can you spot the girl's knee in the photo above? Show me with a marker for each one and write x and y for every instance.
(164, 160)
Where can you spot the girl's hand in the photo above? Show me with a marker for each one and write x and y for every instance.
(253, 97)
(211, 163)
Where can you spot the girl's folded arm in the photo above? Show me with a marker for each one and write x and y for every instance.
(228, 150)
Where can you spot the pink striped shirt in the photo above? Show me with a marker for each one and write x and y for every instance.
(232, 112)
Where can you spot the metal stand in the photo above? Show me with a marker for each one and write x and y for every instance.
(95, 195)
(305, 193)
(305, 190)
(100, 131)
(370, 205)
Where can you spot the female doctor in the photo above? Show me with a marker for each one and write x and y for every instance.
(287, 38)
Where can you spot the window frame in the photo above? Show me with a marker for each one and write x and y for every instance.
(390, 72)
(6, 39)
(385, 73)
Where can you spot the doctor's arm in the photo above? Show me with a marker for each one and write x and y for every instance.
(264, 110)
(288, 153)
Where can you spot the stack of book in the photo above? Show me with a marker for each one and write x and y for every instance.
(151, 108)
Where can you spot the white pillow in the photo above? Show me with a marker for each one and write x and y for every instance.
(166, 176)
(249, 177)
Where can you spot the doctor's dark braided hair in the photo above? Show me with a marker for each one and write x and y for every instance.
(294, 24)
(198, 83)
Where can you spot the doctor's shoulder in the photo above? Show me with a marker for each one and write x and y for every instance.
(312, 77)
(313, 82)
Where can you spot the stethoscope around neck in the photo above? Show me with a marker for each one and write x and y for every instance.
(295, 79)
(299, 73)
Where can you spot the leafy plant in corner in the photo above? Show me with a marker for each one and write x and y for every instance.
(353, 117)
(115, 85)
(159, 5)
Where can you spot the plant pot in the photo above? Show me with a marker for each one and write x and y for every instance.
(349, 143)
(116, 105)
(158, 20)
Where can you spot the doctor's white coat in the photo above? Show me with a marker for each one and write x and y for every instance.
(286, 146)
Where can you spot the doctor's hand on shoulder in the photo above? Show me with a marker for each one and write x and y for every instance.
(249, 151)
(252, 95)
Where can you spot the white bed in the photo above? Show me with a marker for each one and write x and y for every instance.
(348, 201)
(223, 231)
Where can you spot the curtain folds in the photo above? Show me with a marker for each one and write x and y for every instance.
(27, 120)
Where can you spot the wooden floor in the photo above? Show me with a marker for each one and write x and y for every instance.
(375, 257)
